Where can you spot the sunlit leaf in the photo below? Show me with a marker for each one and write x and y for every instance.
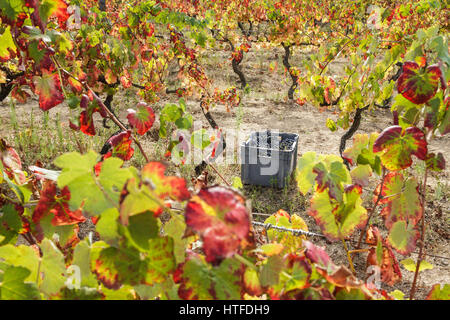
(220, 216)
(401, 197)
(403, 237)
(48, 87)
(439, 292)
(14, 287)
(417, 84)
(397, 146)
(205, 282)
(410, 265)
(142, 119)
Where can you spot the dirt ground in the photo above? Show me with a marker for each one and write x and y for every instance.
(267, 107)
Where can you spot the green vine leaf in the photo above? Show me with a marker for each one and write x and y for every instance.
(304, 173)
(52, 267)
(402, 237)
(201, 281)
(14, 287)
(126, 265)
(95, 193)
(410, 265)
(439, 292)
(338, 220)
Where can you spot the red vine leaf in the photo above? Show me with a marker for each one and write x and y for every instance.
(417, 84)
(120, 146)
(164, 186)
(381, 255)
(142, 119)
(317, 255)
(58, 205)
(219, 215)
(86, 116)
(341, 277)
(48, 87)
(397, 146)
(19, 94)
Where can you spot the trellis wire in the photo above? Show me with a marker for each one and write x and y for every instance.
(298, 232)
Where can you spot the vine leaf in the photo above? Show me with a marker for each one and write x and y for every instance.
(397, 146)
(82, 259)
(220, 216)
(295, 277)
(361, 153)
(205, 282)
(270, 271)
(52, 267)
(317, 255)
(435, 162)
(286, 240)
(331, 178)
(304, 174)
(97, 193)
(147, 193)
(21, 256)
(410, 265)
(10, 224)
(7, 45)
(401, 198)
(338, 220)
(402, 237)
(11, 162)
(86, 116)
(381, 255)
(58, 205)
(14, 287)
(126, 265)
(439, 293)
(360, 142)
(176, 228)
(361, 174)
(48, 87)
(417, 84)
(120, 146)
(164, 186)
(252, 283)
(46, 9)
(142, 119)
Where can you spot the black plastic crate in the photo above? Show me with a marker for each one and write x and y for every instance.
(264, 163)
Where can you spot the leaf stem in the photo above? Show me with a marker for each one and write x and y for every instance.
(372, 210)
(422, 237)
(245, 261)
(348, 256)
